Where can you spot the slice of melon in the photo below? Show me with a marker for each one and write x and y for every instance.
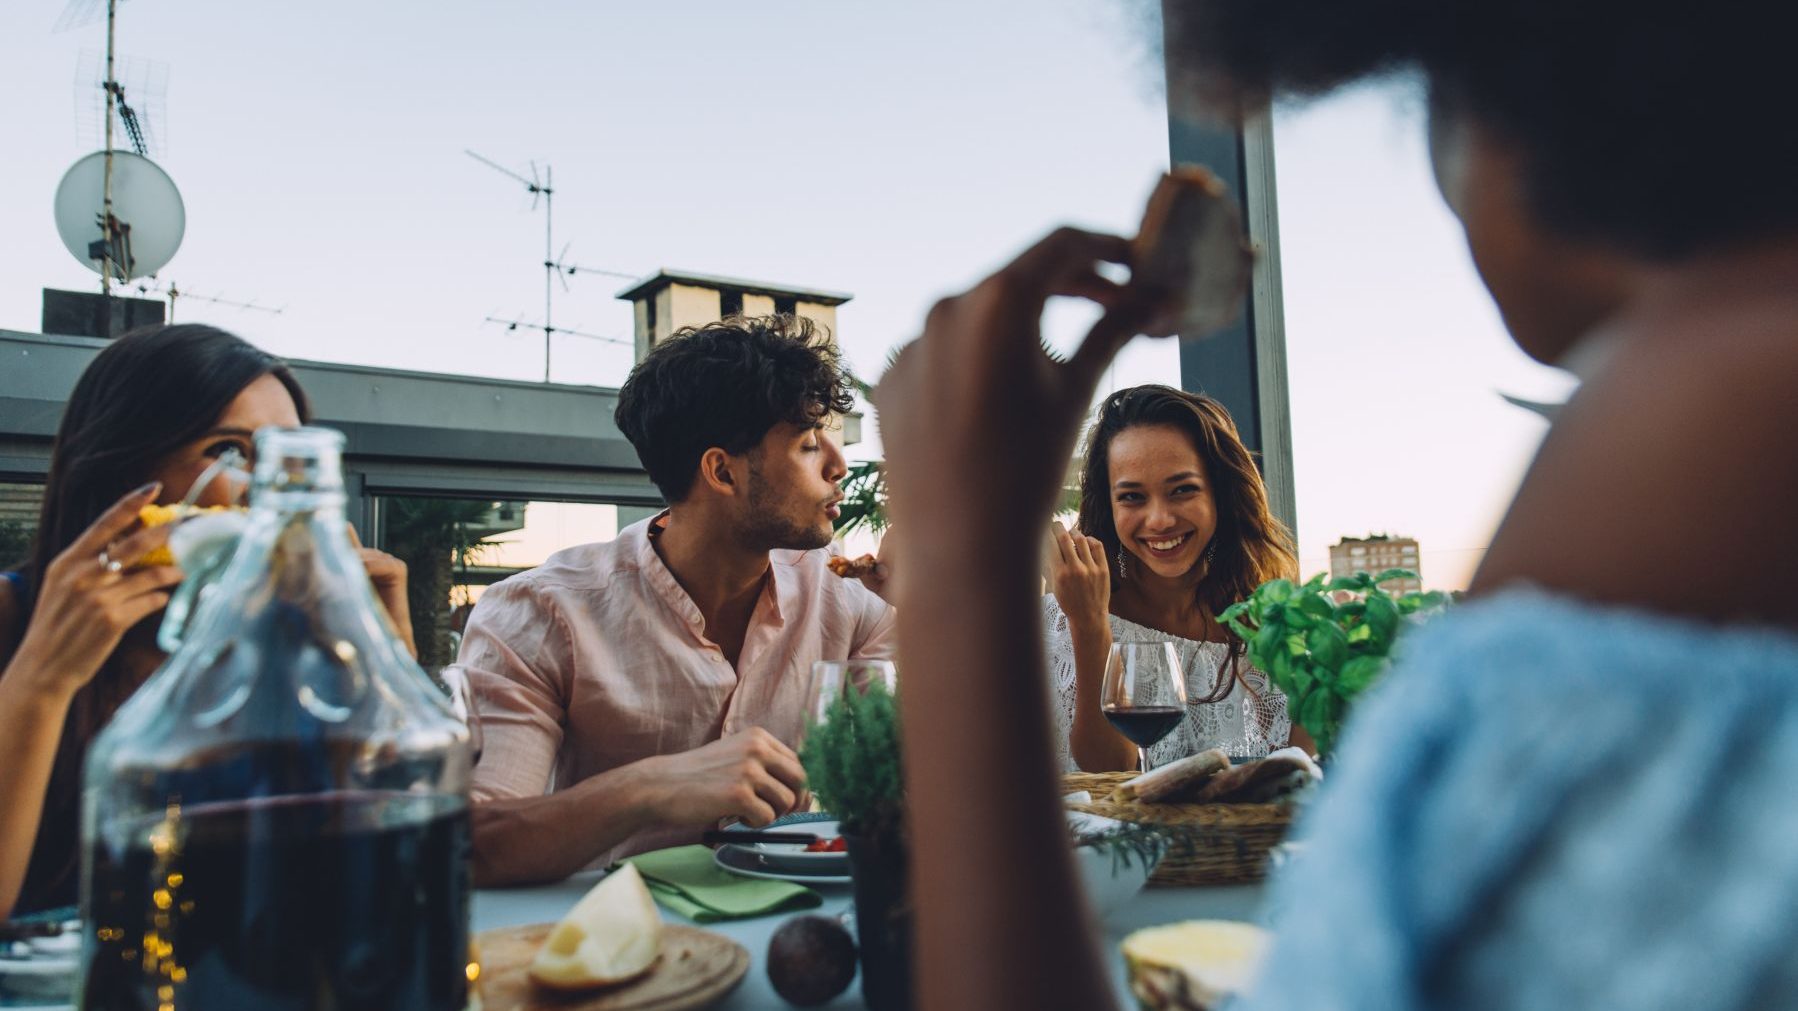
(1193, 966)
(612, 935)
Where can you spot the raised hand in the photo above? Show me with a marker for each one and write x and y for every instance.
(1080, 578)
(90, 598)
(976, 402)
(387, 575)
(879, 580)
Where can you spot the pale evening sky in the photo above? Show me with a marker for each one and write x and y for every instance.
(895, 151)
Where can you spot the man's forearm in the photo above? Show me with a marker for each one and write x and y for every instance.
(978, 756)
(526, 840)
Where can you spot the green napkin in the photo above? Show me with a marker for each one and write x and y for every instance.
(685, 880)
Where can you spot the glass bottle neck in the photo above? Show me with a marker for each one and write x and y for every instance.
(299, 470)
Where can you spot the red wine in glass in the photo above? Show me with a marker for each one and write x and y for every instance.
(1145, 725)
(1144, 693)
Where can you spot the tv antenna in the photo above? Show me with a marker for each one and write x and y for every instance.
(565, 270)
(512, 325)
(139, 90)
(173, 293)
(538, 188)
(128, 182)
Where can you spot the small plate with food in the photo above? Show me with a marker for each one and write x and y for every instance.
(741, 861)
(828, 854)
(825, 859)
(612, 952)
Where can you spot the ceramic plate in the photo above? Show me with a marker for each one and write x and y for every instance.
(746, 862)
(40, 972)
(793, 857)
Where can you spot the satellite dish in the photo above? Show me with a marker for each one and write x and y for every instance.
(144, 202)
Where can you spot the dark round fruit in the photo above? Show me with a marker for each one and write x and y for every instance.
(810, 960)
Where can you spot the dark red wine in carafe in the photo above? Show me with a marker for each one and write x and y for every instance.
(277, 820)
(352, 902)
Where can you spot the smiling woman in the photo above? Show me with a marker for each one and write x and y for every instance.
(1174, 527)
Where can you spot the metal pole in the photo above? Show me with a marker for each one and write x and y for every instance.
(112, 8)
(549, 222)
(1243, 365)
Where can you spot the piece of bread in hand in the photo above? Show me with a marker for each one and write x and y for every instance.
(1173, 780)
(853, 568)
(1191, 260)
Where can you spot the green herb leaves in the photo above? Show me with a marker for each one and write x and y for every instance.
(1327, 641)
(852, 762)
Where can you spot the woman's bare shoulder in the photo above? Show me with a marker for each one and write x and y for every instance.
(1669, 482)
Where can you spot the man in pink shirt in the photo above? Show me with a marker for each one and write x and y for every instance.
(633, 693)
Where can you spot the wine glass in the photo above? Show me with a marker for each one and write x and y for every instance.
(461, 694)
(833, 679)
(1144, 693)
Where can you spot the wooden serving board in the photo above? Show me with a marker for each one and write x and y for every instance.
(698, 968)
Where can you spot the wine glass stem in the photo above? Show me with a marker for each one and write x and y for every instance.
(1142, 757)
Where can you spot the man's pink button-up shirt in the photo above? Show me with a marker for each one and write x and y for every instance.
(597, 658)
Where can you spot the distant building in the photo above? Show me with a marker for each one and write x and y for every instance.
(1375, 554)
(670, 299)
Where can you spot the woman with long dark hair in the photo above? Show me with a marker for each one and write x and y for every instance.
(1174, 528)
(78, 620)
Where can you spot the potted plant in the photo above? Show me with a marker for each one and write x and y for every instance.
(1326, 641)
(852, 762)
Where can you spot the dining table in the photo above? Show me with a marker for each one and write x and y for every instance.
(1154, 905)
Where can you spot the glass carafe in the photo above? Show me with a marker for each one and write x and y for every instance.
(278, 819)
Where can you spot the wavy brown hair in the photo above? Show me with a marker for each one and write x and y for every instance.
(1252, 546)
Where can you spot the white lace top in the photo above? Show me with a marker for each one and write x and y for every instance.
(1246, 723)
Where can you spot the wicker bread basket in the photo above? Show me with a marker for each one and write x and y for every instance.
(1231, 848)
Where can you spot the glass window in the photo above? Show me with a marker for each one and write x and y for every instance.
(454, 548)
(19, 504)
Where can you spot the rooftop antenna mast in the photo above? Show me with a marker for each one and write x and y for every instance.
(173, 292)
(537, 188)
(138, 210)
(514, 324)
(108, 222)
(563, 267)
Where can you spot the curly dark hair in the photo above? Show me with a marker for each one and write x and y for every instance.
(1252, 545)
(725, 385)
(1655, 128)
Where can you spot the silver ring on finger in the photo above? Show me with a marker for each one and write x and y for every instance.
(109, 563)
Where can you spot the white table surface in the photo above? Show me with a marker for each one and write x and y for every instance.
(546, 904)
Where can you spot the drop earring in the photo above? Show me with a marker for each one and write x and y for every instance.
(1122, 571)
(1210, 554)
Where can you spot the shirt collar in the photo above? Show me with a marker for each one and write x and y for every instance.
(781, 587)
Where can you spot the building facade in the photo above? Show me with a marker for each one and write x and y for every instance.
(1375, 554)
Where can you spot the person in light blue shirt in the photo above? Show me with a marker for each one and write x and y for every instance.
(1553, 804)
(1576, 792)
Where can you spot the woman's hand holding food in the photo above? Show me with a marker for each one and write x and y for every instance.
(91, 596)
(879, 577)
